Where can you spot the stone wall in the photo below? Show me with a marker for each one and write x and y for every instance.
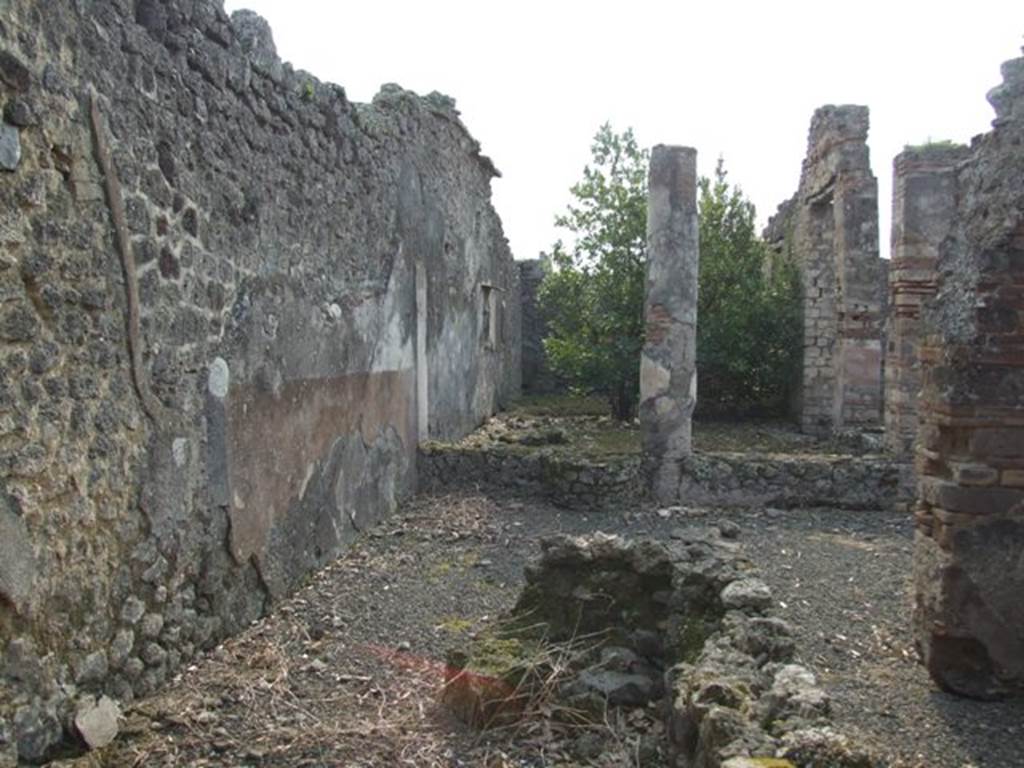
(231, 303)
(969, 547)
(831, 228)
(924, 199)
(706, 478)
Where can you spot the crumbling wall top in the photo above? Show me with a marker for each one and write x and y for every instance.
(832, 123)
(933, 154)
(836, 145)
(1007, 99)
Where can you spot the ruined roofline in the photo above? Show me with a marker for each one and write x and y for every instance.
(256, 38)
(1007, 98)
(930, 157)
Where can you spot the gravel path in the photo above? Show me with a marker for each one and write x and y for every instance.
(345, 673)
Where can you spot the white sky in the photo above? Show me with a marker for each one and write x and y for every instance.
(534, 80)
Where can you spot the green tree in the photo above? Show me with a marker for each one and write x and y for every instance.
(748, 311)
(748, 322)
(593, 294)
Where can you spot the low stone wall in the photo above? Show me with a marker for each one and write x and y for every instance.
(750, 479)
(743, 703)
(571, 482)
(712, 479)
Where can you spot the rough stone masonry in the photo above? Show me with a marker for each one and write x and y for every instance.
(231, 304)
(969, 546)
(668, 364)
(831, 229)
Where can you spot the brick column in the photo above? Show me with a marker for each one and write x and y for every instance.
(923, 208)
(668, 367)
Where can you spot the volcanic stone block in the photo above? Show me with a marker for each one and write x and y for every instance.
(969, 547)
(668, 365)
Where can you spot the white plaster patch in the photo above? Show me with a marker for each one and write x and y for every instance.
(663, 406)
(310, 468)
(654, 378)
(219, 378)
(179, 450)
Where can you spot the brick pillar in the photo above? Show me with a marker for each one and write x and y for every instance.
(668, 367)
(923, 209)
(969, 544)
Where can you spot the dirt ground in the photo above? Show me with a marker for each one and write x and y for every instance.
(346, 672)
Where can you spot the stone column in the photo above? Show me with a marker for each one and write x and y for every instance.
(969, 543)
(668, 365)
(923, 208)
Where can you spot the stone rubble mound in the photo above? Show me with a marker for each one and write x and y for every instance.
(682, 628)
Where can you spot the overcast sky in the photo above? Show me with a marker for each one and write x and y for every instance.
(534, 80)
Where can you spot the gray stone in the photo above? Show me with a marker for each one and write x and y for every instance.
(794, 694)
(132, 610)
(92, 669)
(729, 529)
(19, 113)
(17, 561)
(38, 732)
(121, 647)
(823, 745)
(619, 688)
(618, 659)
(133, 668)
(97, 721)
(668, 370)
(747, 594)
(153, 654)
(8, 746)
(647, 643)
(10, 147)
(151, 625)
(13, 72)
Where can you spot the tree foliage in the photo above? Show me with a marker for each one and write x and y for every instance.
(748, 312)
(593, 294)
(748, 321)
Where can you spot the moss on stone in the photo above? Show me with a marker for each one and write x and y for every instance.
(690, 640)
(455, 625)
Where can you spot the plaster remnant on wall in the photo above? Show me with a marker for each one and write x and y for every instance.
(179, 449)
(10, 147)
(219, 378)
(654, 377)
